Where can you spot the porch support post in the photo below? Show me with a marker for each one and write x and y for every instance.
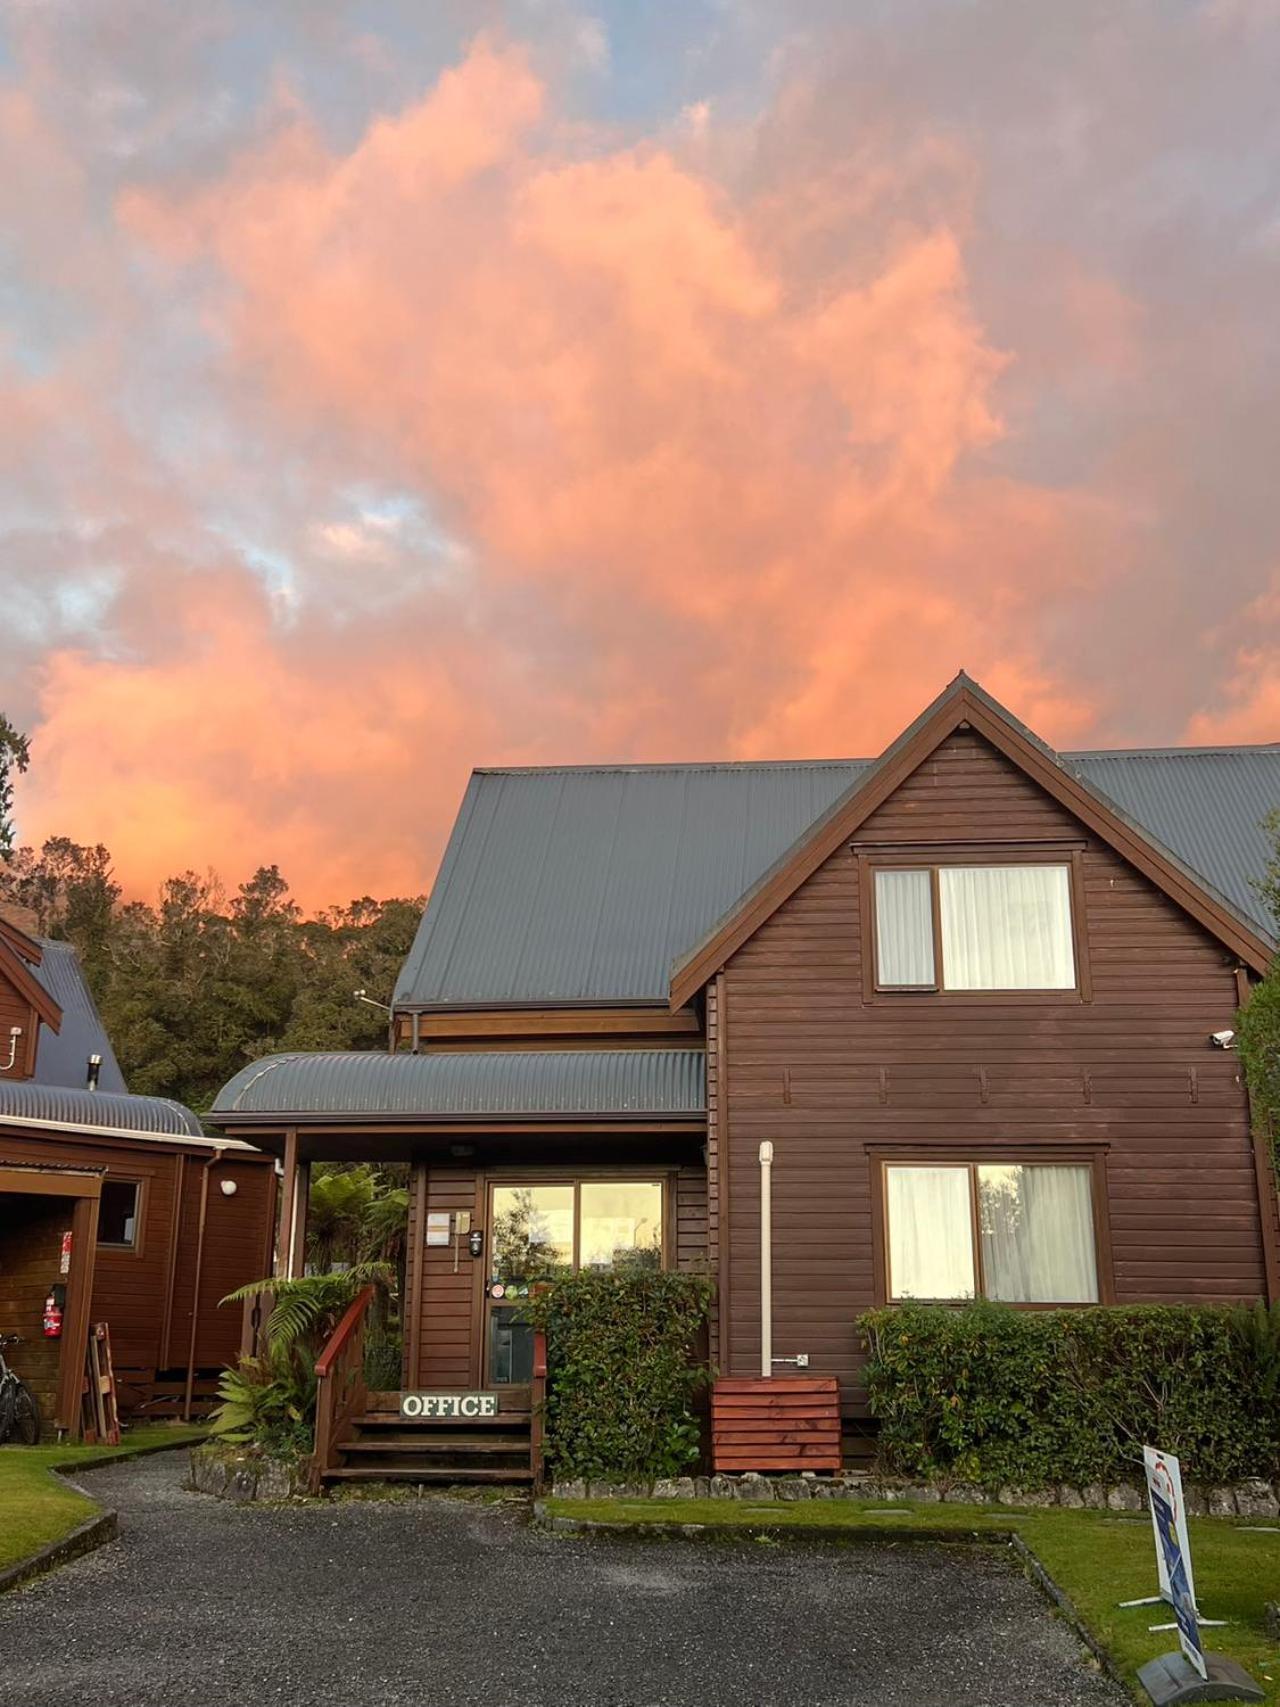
(301, 1205)
(288, 1200)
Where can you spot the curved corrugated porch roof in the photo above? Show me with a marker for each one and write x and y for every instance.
(542, 1085)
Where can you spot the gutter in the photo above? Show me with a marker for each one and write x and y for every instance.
(272, 1117)
(32, 1122)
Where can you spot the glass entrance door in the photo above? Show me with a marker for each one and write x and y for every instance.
(531, 1240)
(538, 1231)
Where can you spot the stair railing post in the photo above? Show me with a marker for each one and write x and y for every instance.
(538, 1397)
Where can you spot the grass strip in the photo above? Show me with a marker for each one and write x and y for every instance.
(37, 1508)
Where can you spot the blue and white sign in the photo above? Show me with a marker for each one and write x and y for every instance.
(1173, 1550)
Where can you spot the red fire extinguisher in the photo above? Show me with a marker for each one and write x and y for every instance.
(54, 1305)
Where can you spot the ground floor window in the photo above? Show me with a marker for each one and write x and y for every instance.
(1018, 1233)
(541, 1229)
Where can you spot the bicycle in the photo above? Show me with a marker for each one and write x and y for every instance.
(19, 1410)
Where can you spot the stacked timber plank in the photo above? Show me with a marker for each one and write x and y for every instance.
(785, 1423)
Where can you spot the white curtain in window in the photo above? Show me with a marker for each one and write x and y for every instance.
(1037, 1234)
(1006, 927)
(904, 928)
(930, 1233)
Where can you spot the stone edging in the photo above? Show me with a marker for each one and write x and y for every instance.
(87, 1538)
(1256, 1498)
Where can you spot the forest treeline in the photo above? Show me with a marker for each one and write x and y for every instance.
(192, 987)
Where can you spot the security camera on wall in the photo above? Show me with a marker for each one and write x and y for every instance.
(1222, 1039)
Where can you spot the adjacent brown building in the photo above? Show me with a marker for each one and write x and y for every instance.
(113, 1208)
(977, 996)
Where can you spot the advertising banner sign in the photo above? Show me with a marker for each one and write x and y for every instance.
(1173, 1550)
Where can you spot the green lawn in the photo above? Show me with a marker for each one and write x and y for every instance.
(36, 1508)
(1097, 1559)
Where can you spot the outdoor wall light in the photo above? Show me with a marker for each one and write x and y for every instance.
(15, 1032)
(228, 1187)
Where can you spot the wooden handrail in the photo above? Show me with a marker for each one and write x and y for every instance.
(344, 1330)
(537, 1406)
(340, 1389)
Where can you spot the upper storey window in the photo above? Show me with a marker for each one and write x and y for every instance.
(974, 927)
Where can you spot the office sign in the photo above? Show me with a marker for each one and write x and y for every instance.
(448, 1407)
(1173, 1550)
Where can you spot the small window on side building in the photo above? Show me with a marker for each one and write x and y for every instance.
(118, 1213)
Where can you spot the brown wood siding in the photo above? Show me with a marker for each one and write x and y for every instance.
(130, 1288)
(691, 1219)
(15, 1009)
(714, 1167)
(235, 1243)
(827, 1073)
(447, 1334)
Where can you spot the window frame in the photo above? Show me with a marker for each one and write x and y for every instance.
(983, 858)
(972, 1157)
(576, 1178)
(139, 1184)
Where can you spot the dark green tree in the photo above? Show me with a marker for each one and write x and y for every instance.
(15, 756)
(1258, 1022)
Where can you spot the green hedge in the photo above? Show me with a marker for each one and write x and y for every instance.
(987, 1394)
(621, 1371)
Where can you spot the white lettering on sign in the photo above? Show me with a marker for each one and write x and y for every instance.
(447, 1405)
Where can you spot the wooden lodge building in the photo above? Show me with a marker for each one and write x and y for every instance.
(118, 1208)
(968, 993)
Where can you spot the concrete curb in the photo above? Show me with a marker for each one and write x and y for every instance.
(87, 1538)
(669, 1530)
(94, 1532)
(1059, 1598)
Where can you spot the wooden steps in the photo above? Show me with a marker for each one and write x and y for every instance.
(386, 1447)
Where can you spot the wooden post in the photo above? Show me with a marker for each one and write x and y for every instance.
(537, 1410)
(301, 1205)
(75, 1327)
(288, 1192)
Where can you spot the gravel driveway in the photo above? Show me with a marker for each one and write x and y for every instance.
(438, 1600)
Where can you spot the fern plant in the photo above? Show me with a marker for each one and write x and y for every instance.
(268, 1402)
(306, 1310)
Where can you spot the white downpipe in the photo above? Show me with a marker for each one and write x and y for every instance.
(766, 1259)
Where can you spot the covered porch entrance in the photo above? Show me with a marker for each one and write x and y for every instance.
(523, 1166)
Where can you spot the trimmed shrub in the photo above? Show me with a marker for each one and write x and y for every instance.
(984, 1393)
(621, 1371)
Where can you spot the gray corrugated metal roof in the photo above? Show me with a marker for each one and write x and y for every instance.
(149, 1116)
(62, 1057)
(620, 1082)
(1206, 804)
(584, 884)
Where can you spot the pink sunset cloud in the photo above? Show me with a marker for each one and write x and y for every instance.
(540, 439)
